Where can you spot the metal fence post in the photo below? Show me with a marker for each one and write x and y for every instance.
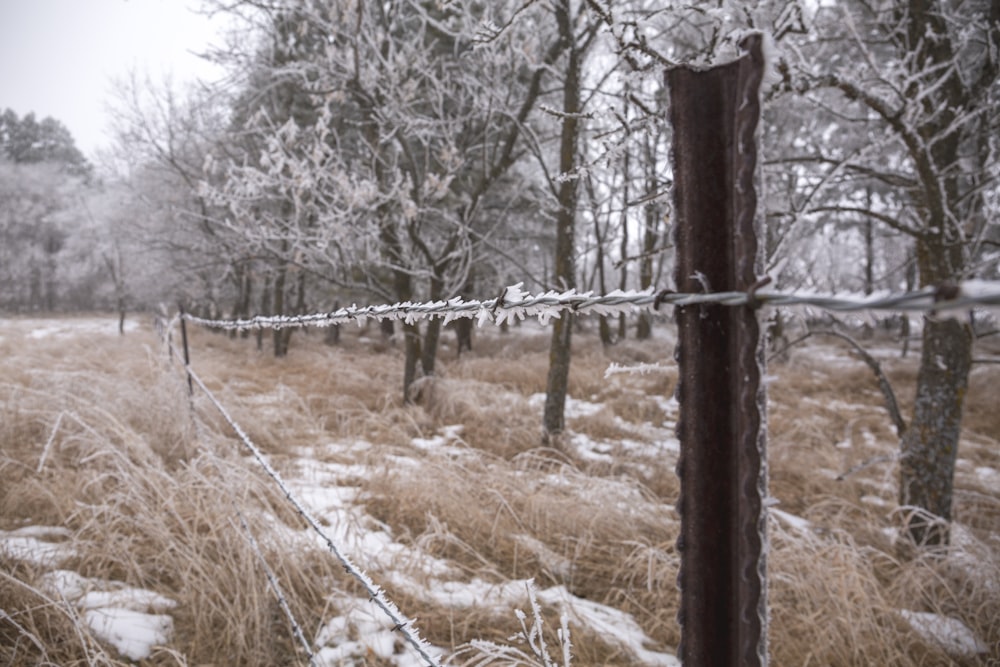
(722, 465)
(184, 344)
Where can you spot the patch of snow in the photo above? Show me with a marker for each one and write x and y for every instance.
(877, 501)
(136, 599)
(871, 442)
(612, 624)
(635, 369)
(426, 444)
(24, 544)
(463, 594)
(951, 634)
(69, 327)
(592, 450)
(610, 451)
(836, 405)
(116, 613)
(574, 407)
(966, 553)
(791, 520)
(669, 404)
(42, 531)
(360, 634)
(448, 442)
(132, 633)
(891, 534)
(984, 472)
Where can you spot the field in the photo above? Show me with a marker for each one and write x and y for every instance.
(135, 527)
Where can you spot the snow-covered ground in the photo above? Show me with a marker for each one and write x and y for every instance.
(135, 620)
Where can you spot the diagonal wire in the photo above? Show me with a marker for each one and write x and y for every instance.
(376, 594)
(272, 579)
(516, 304)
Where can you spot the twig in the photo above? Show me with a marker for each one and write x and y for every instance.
(891, 404)
(48, 443)
(867, 463)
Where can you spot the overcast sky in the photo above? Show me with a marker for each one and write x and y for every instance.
(58, 57)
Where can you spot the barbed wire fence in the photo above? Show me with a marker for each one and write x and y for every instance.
(376, 595)
(514, 304)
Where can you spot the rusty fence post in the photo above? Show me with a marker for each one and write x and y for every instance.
(722, 465)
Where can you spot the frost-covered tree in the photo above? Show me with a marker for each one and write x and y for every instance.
(44, 180)
(156, 165)
(576, 31)
(904, 99)
(26, 140)
(383, 171)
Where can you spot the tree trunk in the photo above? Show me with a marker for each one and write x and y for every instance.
(604, 327)
(626, 181)
(428, 355)
(411, 346)
(559, 350)
(558, 378)
(278, 335)
(650, 227)
(333, 331)
(432, 335)
(930, 445)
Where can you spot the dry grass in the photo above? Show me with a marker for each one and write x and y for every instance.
(97, 435)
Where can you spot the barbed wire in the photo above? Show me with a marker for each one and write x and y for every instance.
(376, 594)
(514, 303)
(275, 585)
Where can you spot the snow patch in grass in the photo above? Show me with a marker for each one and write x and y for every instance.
(574, 407)
(68, 327)
(791, 520)
(985, 472)
(951, 634)
(24, 544)
(614, 625)
(877, 501)
(362, 636)
(444, 442)
(132, 633)
(115, 613)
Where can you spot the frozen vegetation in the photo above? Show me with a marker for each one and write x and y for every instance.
(126, 506)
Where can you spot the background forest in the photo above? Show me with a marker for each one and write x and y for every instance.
(415, 150)
(420, 150)
(425, 150)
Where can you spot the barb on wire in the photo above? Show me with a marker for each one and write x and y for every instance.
(376, 594)
(516, 304)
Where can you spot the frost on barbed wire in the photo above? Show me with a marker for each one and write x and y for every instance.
(635, 369)
(275, 585)
(376, 594)
(515, 304)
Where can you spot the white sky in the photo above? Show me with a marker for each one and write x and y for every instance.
(58, 57)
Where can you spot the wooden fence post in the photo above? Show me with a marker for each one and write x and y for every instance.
(722, 465)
